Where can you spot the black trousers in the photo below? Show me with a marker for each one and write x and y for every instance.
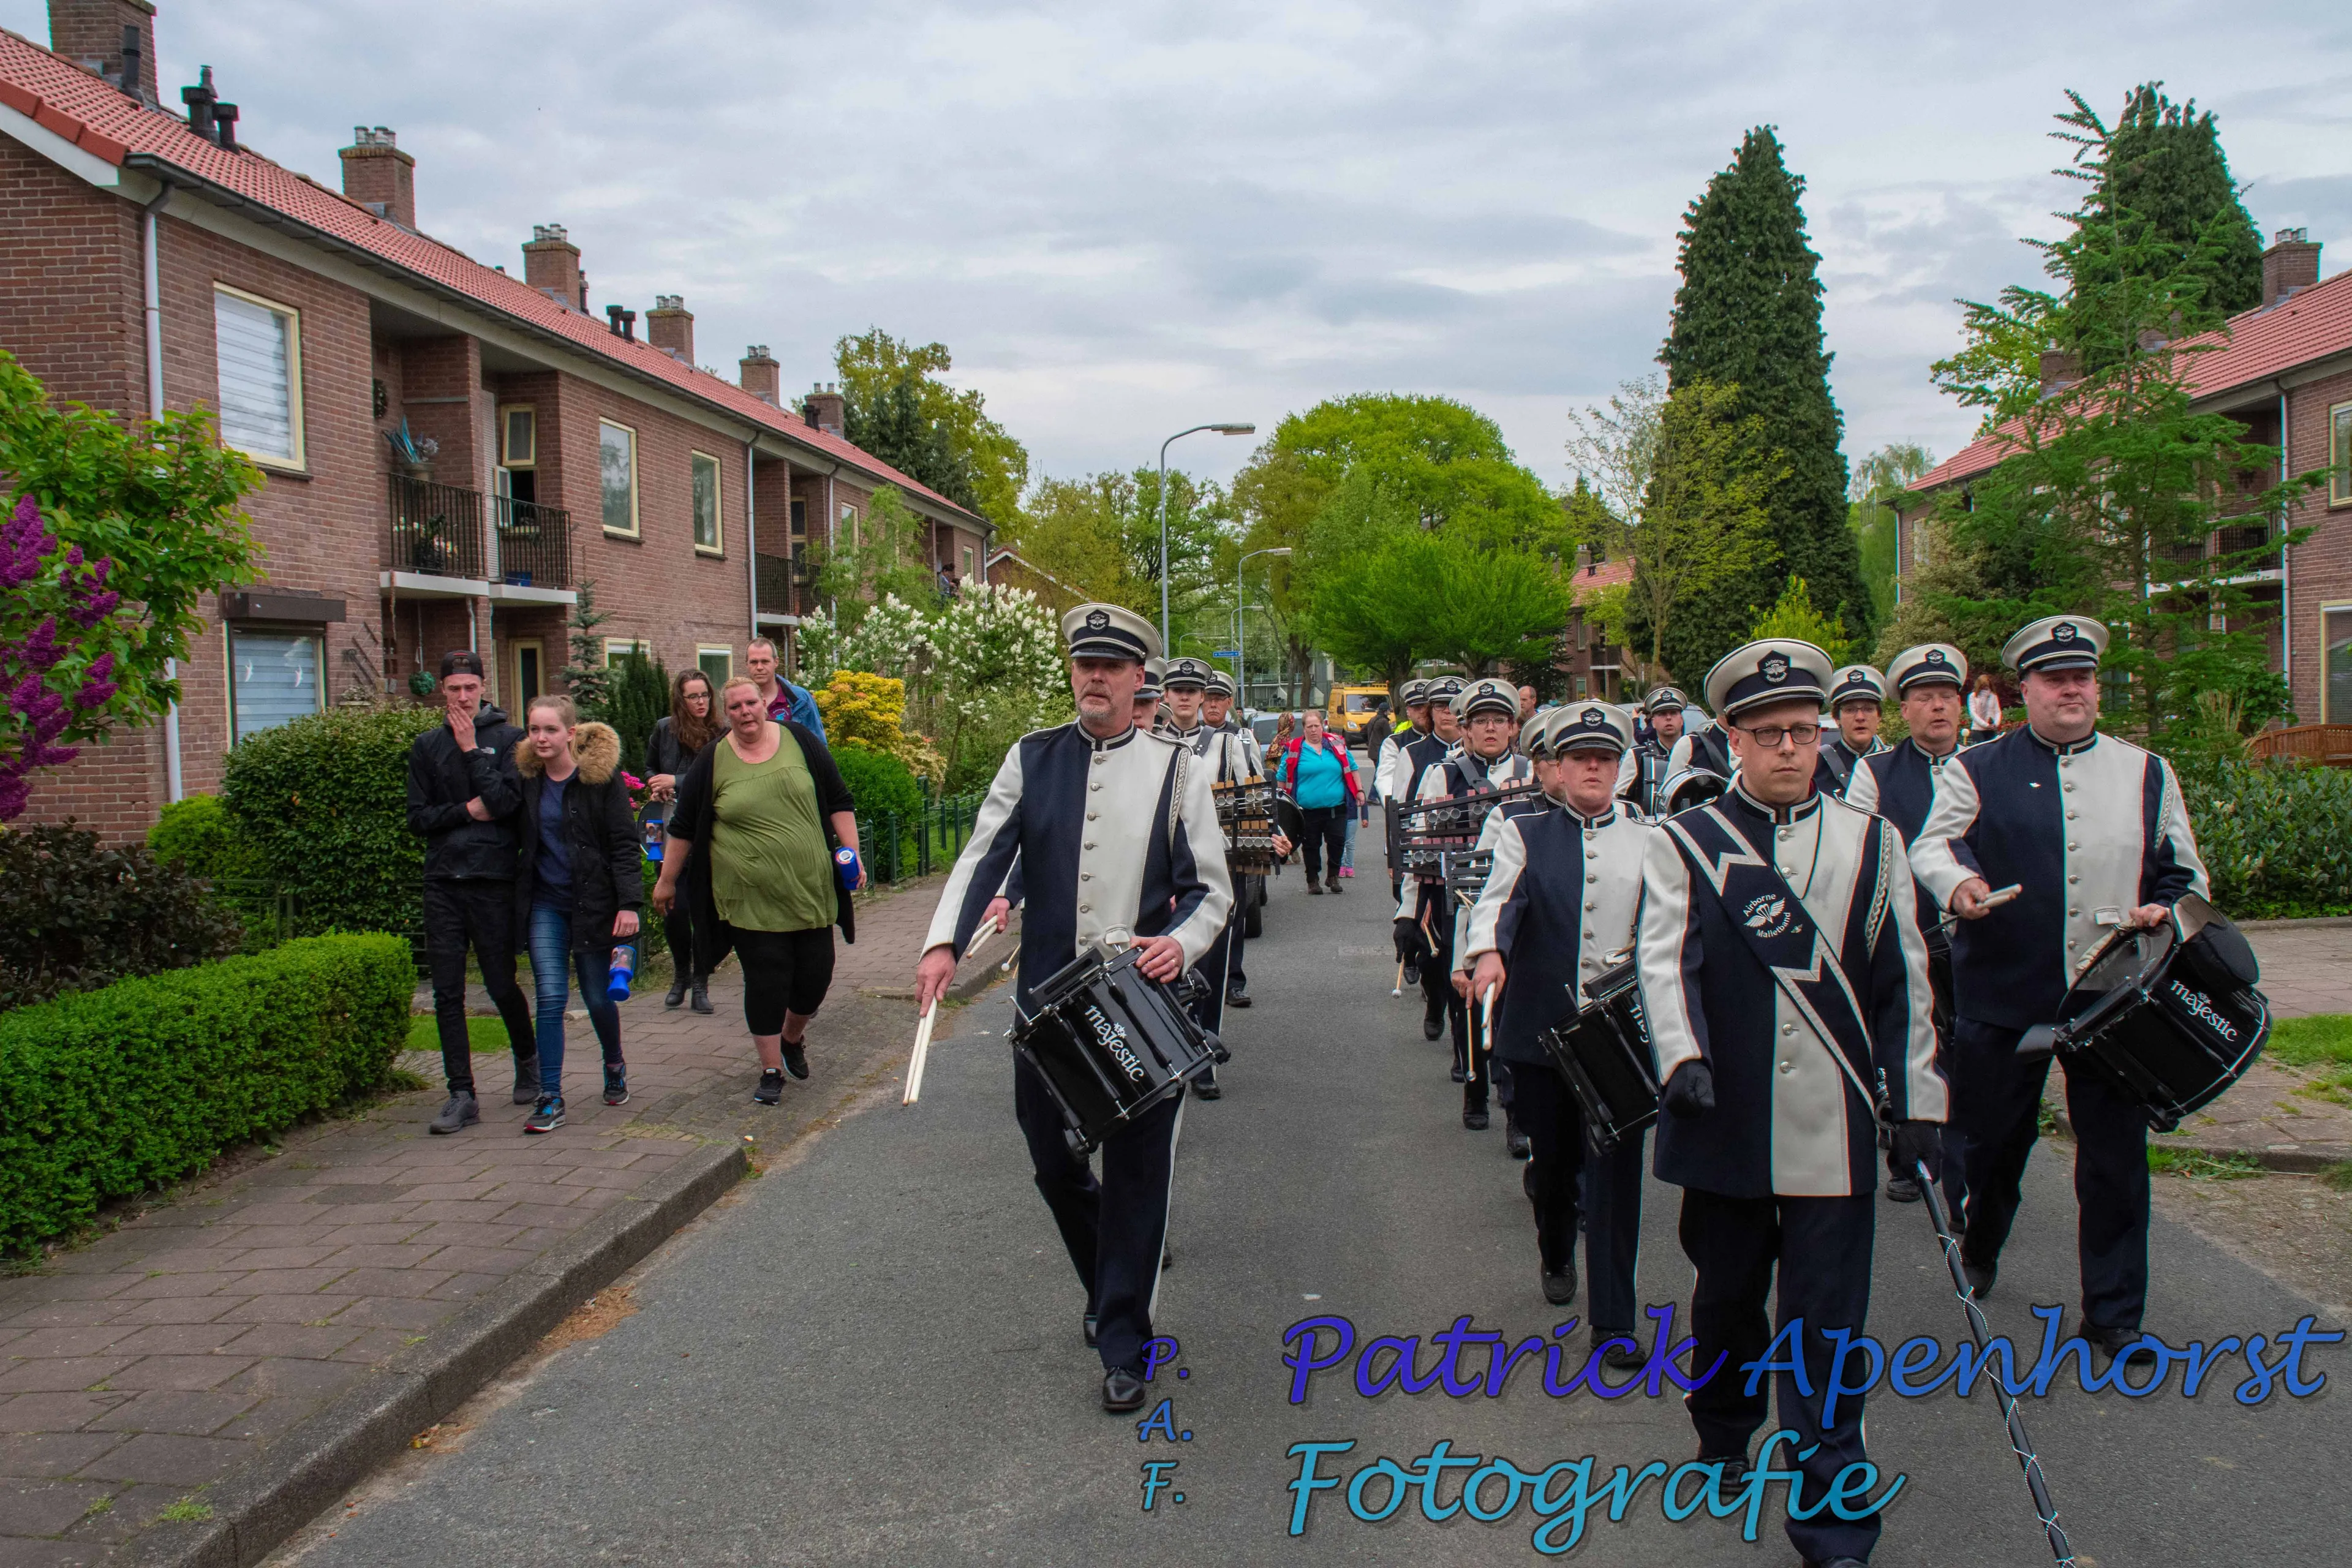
(1822, 1249)
(677, 930)
(1548, 1113)
(1116, 1230)
(1436, 907)
(1939, 1013)
(783, 972)
(1244, 891)
(1995, 1103)
(1209, 996)
(1324, 834)
(479, 914)
(1475, 1056)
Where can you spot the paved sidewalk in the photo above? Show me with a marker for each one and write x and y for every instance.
(153, 1369)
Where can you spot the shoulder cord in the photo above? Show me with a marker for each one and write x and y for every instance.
(1183, 771)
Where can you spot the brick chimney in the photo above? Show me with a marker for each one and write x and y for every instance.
(822, 407)
(762, 377)
(2291, 263)
(670, 326)
(551, 263)
(379, 176)
(2060, 370)
(90, 32)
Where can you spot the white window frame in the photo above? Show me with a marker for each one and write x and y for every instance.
(295, 461)
(718, 545)
(229, 634)
(2339, 455)
(723, 652)
(618, 649)
(636, 487)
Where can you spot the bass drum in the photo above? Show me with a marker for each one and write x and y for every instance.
(2171, 1014)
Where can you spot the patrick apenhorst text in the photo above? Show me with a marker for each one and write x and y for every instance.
(1462, 1362)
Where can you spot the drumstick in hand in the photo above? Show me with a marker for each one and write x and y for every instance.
(1487, 1008)
(922, 1056)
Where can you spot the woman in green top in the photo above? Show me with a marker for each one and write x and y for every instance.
(753, 834)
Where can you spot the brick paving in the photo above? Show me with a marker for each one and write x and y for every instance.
(139, 1368)
(2268, 1113)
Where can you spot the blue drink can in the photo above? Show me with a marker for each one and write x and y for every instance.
(623, 971)
(844, 861)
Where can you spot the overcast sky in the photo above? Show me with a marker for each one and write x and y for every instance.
(1129, 218)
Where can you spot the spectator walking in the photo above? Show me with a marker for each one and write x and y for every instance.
(750, 846)
(1984, 712)
(1286, 828)
(577, 886)
(784, 701)
(462, 796)
(1321, 777)
(693, 723)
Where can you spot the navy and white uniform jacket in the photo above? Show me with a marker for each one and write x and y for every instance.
(1785, 1120)
(1650, 762)
(1834, 766)
(1899, 783)
(1232, 755)
(1559, 904)
(1414, 759)
(1088, 824)
(1706, 747)
(2094, 827)
(1391, 784)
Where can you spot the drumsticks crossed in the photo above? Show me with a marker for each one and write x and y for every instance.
(988, 929)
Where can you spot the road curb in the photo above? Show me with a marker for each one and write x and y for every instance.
(2304, 1160)
(2311, 922)
(264, 1500)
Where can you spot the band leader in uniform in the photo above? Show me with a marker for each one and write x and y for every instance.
(1117, 839)
(2094, 834)
(1786, 988)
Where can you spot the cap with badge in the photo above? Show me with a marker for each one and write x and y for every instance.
(1444, 688)
(1220, 684)
(1416, 693)
(1856, 683)
(1188, 674)
(2055, 643)
(1928, 664)
(1778, 669)
(1155, 679)
(1109, 631)
(1665, 700)
(1590, 726)
(1488, 696)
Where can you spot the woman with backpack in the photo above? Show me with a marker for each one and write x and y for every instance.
(577, 886)
(1321, 777)
(693, 723)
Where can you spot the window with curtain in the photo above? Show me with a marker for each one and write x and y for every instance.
(257, 347)
(706, 501)
(616, 463)
(273, 679)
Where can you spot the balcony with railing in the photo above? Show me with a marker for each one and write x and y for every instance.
(534, 543)
(435, 531)
(437, 545)
(783, 581)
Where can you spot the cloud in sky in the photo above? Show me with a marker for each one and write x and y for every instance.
(1129, 218)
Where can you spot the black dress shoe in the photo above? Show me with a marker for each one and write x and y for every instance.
(1206, 1089)
(1979, 1276)
(1514, 1141)
(1620, 1350)
(1432, 1027)
(1237, 994)
(2123, 1346)
(677, 998)
(1560, 1288)
(1902, 1189)
(1735, 1468)
(1087, 1324)
(1473, 1120)
(1122, 1390)
(1461, 1077)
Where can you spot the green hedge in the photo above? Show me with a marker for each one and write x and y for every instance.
(878, 783)
(111, 1092)
(2276, 837)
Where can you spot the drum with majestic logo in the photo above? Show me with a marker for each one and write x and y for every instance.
(1111, 1043)
(2170, 1013)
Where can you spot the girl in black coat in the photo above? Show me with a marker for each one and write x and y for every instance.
(693, 723)
(579, 889)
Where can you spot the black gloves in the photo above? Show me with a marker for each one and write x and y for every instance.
(1919, 1143)
(1691, 1090)
(1408, 943)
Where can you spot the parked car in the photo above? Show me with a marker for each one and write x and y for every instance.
(1352, 707)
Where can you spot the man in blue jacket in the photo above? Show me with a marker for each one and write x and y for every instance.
(784, 701)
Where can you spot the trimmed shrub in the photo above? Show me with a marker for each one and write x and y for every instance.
(83, 914)
(2276, 837)
(114, 1091)
(878, 784)
(323, 802)
(198, 835)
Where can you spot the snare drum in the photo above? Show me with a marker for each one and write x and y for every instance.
(1111, 1043)
(1245, 811)
(2168, 1013)
(1604, 1054)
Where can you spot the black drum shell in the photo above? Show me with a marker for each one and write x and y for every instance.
(2146, 1015)
(1110, 1043)
(1603, 1053)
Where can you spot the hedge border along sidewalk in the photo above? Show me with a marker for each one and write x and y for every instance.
(111, 1092)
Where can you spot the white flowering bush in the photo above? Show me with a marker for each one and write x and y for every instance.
(887, 640)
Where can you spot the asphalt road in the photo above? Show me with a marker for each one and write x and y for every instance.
(875, 1355)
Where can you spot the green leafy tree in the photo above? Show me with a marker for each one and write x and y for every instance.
(130, 524)
(895, 405)
(1794, 616)
(1748, 314)
(2109, 501)
(1101, 535)
(1878, 480)
(884, 556)
(1502, 606)
(1706, 529)
(2163, 162)
(1276, 499)
(1614, 450)
(1447, 462)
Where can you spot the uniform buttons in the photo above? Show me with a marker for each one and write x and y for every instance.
(1091, 816)
(1788, 1068)
(1787, 870)
(1089, 846)
(1592, 876)
(2074, 914)
(1787, 1028)
(2070, 789)
(1089, 909)
(1591, 907)
(2072, 880)
(1788, 833)
(1097, 785)
(2073, 847)
(1086, 876)
(1101, 759)
(2072, 815)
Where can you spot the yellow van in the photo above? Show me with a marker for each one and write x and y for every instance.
(1351, 709)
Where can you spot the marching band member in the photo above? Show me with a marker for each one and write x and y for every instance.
(1786, 989)
(1226, 760)
(1414, 695)
(1148, 695)
(1898, 783)
(1558, 907)
(1707, 747)
(1857, 704)
(1663, 708)
(1414, 762)
(1216, 715)
(1488, 711)
(2091, 832)
(1115, 834)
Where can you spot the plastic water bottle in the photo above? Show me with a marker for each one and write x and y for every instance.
(844, 861)
(654, 840)
(625, 970)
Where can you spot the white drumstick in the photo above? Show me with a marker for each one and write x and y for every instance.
(1487, 1006)
(923, 1055)
(1398, 989)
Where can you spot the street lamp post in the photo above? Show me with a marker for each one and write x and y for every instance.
(1241, 627)
(1226, 430)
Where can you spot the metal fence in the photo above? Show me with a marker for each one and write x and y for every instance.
(437, 530)
(897, 848)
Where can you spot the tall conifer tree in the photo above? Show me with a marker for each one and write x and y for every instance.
(2162, 163)
(1748, 314)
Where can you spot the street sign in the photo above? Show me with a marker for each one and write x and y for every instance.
(1225, 653)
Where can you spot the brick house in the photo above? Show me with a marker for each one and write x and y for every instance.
(153, 262)
(1594, 666)
(2284, 372)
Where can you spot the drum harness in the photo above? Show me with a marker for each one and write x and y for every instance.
(1880, 1103)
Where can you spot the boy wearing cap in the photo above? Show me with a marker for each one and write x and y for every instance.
(1556, 908)
(1858, 703)
(1228, 759)
(1115, 834)
(1898, 783)
(1663, 708)
(463, 793)
(1785, 985)
(2092, 832)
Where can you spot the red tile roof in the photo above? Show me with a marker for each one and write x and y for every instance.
(1607, 574)
(103, 122)
(2308, 324)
